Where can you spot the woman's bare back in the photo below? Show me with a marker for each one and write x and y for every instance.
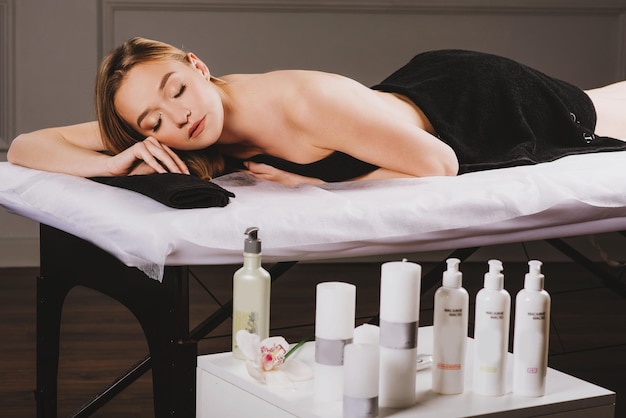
(283, 113)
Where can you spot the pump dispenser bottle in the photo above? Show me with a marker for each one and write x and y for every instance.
(251, 292)
(491, 333)
(450, 332)
(532, 328)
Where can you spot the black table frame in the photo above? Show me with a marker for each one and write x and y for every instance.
(162, 310)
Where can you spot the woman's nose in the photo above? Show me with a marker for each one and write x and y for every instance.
(181, 117)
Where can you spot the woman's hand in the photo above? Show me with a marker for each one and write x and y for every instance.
(267, 172)
(146, 157)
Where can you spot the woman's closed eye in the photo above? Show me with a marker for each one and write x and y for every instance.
(157, 125)
(180, 92)
(182, 89)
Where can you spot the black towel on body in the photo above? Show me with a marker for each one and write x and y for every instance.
(180, 191)
(335, 167)
(495, 112)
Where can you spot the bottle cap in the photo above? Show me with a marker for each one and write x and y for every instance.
(252, 244)
(534, 279)
(494, 279)
(452, 277)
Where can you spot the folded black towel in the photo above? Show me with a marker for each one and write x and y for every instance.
(178, 191)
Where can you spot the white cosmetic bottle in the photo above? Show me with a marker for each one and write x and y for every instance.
(491, 333)
(532, 332)
(450, 332)
(251, 292)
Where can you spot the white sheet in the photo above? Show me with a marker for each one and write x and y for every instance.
(576, 195)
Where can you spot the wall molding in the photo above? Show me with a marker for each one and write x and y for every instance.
(7, 72)
(622, 45)
(107, 9)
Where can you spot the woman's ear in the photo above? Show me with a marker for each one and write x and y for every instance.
(198, 65)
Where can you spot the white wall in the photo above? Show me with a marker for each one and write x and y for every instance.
(54, 61)
(52, 49)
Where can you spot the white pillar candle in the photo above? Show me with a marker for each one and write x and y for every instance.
(360, 389)
(400, 284)
(366, 334)
(334, 328)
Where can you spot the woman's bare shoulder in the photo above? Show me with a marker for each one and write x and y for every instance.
(299, 81)
(313, 88)
(298, 95)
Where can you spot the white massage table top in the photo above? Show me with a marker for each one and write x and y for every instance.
(576, 195)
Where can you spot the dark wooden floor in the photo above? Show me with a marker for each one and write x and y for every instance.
(100, 339)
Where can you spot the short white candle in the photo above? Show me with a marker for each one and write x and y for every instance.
(399, 316)
(366, 334)
(360, 389)
(334, 328)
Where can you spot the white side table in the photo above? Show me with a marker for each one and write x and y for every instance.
(224, 389)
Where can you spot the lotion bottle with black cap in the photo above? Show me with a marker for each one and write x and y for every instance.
(251, 292)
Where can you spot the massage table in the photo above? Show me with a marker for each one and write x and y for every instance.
(137, 250)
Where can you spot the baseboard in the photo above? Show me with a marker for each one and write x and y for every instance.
(19, 252)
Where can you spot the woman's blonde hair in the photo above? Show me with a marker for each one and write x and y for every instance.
(119, 135)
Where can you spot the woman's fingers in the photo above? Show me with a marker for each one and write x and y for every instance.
(182, 167)
(267, 172)
(141, 168)
(263, 171)
(161, 157)
(145, 157)
(141, 152)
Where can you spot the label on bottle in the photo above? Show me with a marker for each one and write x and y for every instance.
(246, 320)
(494, 314)
(537, 316)
(447, 366)
(453, 312)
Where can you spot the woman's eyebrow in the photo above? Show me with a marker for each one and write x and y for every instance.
(161, 87)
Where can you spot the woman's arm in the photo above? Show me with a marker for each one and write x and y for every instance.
(269, 173)
(76, 150)
(610, 104)
(69, 149)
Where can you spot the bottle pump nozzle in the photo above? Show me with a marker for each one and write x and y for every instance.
(494, 279)
(252, 244)
(452, 277)
(534, 279)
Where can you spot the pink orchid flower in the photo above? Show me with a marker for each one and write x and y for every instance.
(266, 360)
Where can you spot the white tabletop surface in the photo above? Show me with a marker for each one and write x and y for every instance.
(563, 392)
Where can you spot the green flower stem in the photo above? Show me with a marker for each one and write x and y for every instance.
(295, 347)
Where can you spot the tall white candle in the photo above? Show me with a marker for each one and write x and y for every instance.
(334, 328)
(360, 389)
(400, 284)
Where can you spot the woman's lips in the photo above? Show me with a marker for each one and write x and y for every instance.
(197, 128)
